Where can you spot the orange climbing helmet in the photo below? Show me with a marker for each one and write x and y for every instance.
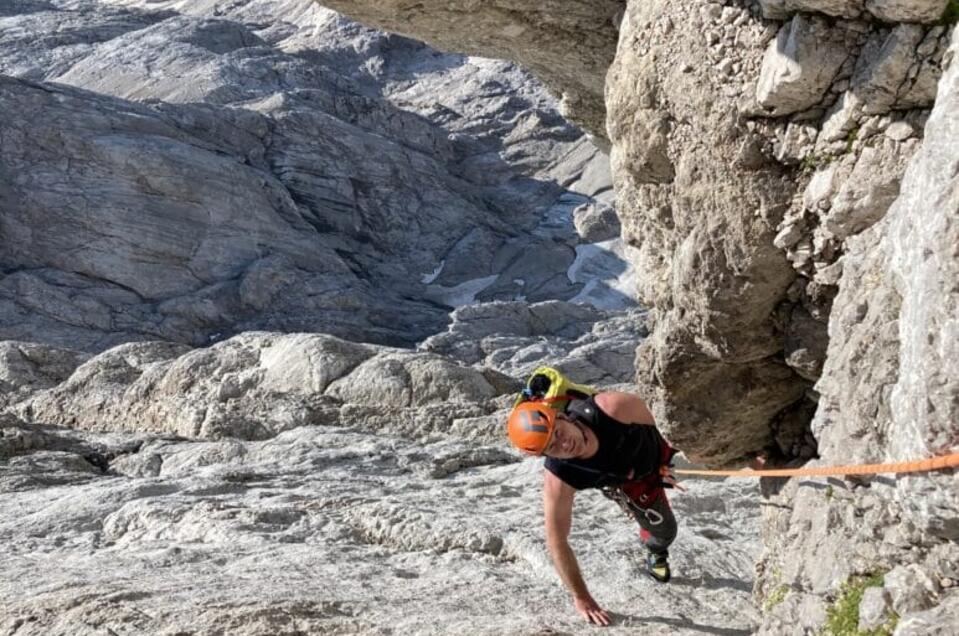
(530, 426)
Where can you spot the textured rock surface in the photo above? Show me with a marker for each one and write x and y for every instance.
(764, 201)
(799, 65)
(568, 44)
(699, 225)
(261, 207)
(27, 367)
(888, 393)
(590, 345)
(738, 141)
(595, 223)
(396, 485)
(324, 529)
(253, 386)
(889, 10)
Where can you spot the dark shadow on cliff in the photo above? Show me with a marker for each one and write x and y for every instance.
(712, 583)
(626, 620)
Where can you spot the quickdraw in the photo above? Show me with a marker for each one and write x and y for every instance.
(630, 507)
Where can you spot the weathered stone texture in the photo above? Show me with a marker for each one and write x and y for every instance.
(888, 392)
(780, 9)
(888, 10)
(275, 178)
(703, 228)
(907, 10)
(569, 45)
(249, 387)
(595, 223)
(799, 65)
(26, 367)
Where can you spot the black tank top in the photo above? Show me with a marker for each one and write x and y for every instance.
(622, 448)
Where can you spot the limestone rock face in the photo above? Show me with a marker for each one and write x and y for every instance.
(27, 367)
(907, 10)
(252, 386)
(593, 346)
(888, 10)
(888, 393)
(786, 174)
(264, 464)
(780, 9)
(226, 181)
(738, 141)
(704, 236)
(568, 44)
(799, 65)
(294, 531)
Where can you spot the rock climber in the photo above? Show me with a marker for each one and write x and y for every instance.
(607, 441)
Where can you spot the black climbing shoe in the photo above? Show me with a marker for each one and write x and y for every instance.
(657, 566)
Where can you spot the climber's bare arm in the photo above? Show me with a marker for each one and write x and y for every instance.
(625, 407)
(558, 514)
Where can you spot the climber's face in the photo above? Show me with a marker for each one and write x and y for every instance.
(569, 440)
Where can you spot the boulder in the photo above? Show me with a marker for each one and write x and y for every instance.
(254, 385)
(907, 10)
(27, 367)
(799, 66)
(596, 223)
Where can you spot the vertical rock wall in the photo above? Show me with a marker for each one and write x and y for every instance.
(750, 144)
(889, 393)
(701, 201)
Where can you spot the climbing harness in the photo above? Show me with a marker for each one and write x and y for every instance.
(631, 507)
(917, 466)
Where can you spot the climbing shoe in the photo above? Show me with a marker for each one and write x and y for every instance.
(657, 566)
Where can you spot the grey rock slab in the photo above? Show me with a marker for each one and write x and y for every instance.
(799, 65)
(595, 223)
(256, 384)
(31, 48)
(230, 521)
(899, 131)
(938, 621)
(881, 71)
(410, 379)
(928, 332)
(868, 192)
(841, 119)
(569, 46)
(514, 338)
(780, 9)
(907, 10)
(886, 395)
(28, 367)
(909, 589)
(294, 95)
(821, 187)
(874, 608)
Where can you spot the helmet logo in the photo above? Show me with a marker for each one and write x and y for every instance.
(527, 418)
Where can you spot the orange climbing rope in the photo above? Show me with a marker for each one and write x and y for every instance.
(919, 466)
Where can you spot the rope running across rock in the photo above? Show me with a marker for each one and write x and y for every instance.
(917, 466)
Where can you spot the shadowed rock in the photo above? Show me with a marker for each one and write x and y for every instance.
(569, 45)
